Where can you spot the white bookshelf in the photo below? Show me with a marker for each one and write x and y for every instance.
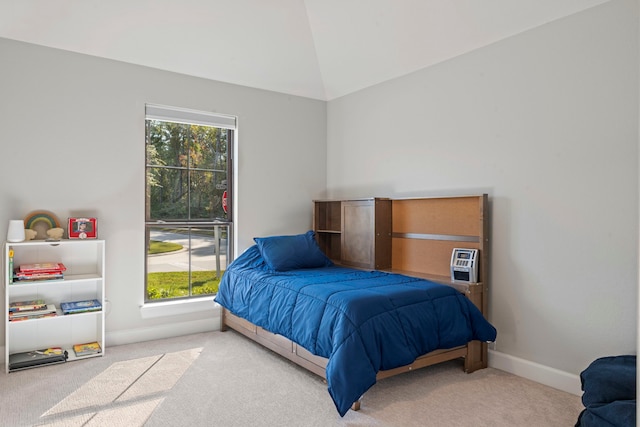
(83, 279)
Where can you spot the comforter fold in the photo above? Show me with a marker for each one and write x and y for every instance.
(362, 321)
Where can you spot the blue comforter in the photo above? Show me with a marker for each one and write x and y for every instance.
(362, 321)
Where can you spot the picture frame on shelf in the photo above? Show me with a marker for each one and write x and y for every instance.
(83, 228)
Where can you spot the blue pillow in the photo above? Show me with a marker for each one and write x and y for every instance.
(282, 253)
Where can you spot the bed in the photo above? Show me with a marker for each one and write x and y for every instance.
(350, 326)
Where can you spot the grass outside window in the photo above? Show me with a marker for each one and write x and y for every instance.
(175, 284)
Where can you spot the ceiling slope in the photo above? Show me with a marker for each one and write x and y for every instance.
(261, 44)
(320, 49)
(360, 43)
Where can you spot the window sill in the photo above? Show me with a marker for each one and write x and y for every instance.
(174, 308)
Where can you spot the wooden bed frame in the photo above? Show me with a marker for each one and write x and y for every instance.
(424, 233)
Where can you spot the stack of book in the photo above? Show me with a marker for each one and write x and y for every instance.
(73, 307)
(32, 309)
(87, 349)
(40, 271)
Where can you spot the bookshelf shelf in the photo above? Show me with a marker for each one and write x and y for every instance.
(83, 280)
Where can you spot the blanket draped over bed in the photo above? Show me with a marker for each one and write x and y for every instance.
(362, 321)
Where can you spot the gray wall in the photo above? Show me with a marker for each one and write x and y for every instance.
(546, 123)
(73, 143)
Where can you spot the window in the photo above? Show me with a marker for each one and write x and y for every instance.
(188, 202)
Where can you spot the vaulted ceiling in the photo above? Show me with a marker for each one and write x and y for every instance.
(320, 49)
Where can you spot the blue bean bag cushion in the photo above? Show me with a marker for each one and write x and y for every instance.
(609, 397)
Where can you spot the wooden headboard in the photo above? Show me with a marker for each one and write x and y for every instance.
(424, 232)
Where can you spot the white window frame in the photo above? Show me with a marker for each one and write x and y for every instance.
(165, 307)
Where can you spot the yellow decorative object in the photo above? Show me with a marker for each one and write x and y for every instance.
(30, 234)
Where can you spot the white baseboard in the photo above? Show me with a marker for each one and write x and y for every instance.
(535, 372)
(131, 336)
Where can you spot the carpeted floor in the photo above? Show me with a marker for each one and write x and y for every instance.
(223, 379)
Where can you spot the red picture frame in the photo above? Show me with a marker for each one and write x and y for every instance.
(83, 228)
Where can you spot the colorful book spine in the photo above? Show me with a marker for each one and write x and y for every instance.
(36, 304)
(10, 265)
(42, 267)
(33, 316)
(38, 276)
(50, 309)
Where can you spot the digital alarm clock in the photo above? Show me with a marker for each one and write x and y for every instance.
(464, 265)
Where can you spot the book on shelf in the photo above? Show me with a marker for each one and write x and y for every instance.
(31, 317)
(87, 348)
(33, 358)
(42, 267)
(10, 265)
(48, 311)
(39, 271)
(18, 277)
(29, 305)
(72, 307)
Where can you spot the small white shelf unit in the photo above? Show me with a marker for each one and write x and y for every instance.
(83, 280)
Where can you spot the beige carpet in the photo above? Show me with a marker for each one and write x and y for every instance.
(126, 393)
(222, 379)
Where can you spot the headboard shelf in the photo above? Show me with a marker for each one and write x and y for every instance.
(426, 230)
(414, 235)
